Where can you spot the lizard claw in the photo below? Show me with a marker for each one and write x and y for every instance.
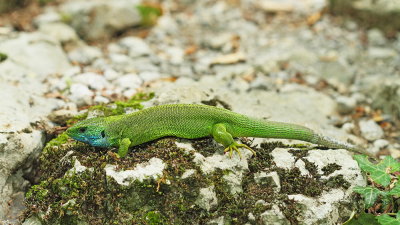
(235, 147)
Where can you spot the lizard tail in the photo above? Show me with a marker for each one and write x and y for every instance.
(333, 143)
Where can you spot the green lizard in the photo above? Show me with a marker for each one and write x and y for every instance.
(190, 121)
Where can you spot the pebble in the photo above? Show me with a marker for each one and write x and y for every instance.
(111, 74)
(136, 46)
(92, 80)
(80, 94)
(98, 99)
(370, 130)
(129, 81)
(381, 143)
(85, 54)
(147, 76)
(345, 105)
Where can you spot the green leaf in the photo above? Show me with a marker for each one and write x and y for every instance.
(370, 194)
(362, 219)
(390, 162)
(388, 220)
(377, 172)
(395, 190)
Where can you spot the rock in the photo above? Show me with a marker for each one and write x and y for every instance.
(101, 19)
(47, 17)
(129, 81)
(39, 54)
(98, 99)
(136, 46)
(376, 37)
(59, 31)
(81, 94)
(122, 63)
(85, 54)
(381, 53)
(153, 169)
(92, 80)
(111, 74)
(148, 76)
(381, 143)
(301, 7)
(345, 105)
(62, 115)
(207, 198)
(274, 216)
(32, 221)
(370, 130)
(32, 57)
(271, 180)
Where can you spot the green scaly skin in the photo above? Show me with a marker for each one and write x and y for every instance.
(190, 121)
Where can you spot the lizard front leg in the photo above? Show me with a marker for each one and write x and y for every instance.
(123, 147)
(222, 136)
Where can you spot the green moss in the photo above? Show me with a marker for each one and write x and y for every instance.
(3, 57)
(330, 168)
(149, 14)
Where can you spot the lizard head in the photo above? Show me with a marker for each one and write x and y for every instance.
(91, 131)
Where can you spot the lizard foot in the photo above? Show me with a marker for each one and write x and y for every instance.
(235, 147)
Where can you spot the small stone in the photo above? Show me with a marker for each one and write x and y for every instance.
(98, 99)
(62, 115)
(129, 93)
(207, 198)
(376, 37)
(59, 31)
(381, 53)
(260, 202)
(129, 81)
(81, 94)
(148, 76)
(271, 179)
(136, 46)
(92, 80)
(273, 216)
(348, 127)
(370, 130)
(85, 54)
(381, 143)
(251, 217)
(111, 74)
(345, 105)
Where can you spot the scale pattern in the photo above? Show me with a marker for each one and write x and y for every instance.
(196, 121)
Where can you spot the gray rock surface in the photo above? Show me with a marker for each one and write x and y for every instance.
(101, 19)
(370, 130)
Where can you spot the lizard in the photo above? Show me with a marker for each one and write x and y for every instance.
(191, 121)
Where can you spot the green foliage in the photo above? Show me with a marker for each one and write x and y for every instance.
(44, 2)
(380, 173)
(3, 57)
(149, 14)
(381, 196)
(388, 220)
(362, 219)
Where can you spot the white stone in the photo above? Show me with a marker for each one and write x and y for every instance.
(188, 173)
(111, 74)
(136, 46)
(129, 81)
(283, 158)
(207, 198)
(92, 80)
(217, 161)
(98, 99)
(345, 105)
(101, 19)
(274, 216)
(381, 143)
(153, 169)
(370, 130)
(234, 182)
(59, 31)
(81, 94)
(85, 54)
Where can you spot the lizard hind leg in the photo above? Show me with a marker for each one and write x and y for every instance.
(222, 136)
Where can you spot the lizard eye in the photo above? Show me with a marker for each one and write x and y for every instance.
(103, 134)
(82, 129)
